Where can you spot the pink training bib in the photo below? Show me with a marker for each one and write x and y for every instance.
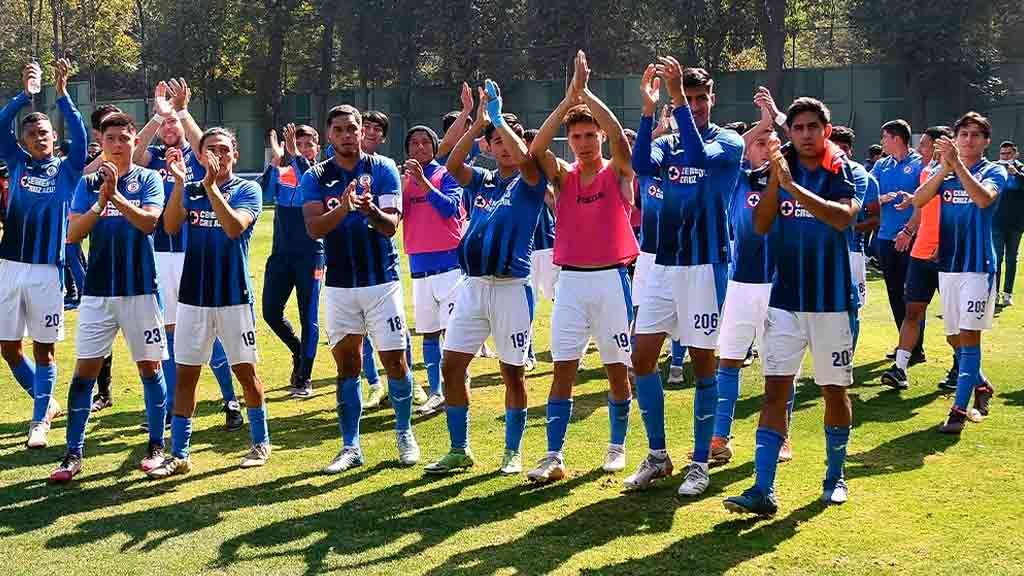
(592, 227)
(423, 228)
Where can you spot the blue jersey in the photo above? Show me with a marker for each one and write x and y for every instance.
(698, 171)
(357, 255)
(499, 241)
(893, 176)
(544, 234)
(865, 182)
(216, 271)
(40, 190)
(121, 261)
(752, 261)
(812, 259)
(290, 235)
(650, 212)
(194, 171)
(965, 230)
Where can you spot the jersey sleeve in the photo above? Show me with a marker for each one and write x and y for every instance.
(10, 150)
(76, 130)
(84, 197)
(446, 200)
(387, 186)
(994, 178)
(845, 185)
(248, 197)
(310, 188)
(646, 157)
(152, 192)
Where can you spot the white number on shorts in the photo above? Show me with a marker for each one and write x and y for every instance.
(249, 338)
(152, 336)
(519, 339)
(622, 340)
(706, 322)
(52, 320)
(840, 359)
(395, 324)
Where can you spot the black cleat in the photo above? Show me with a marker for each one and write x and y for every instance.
(916, 358)
(955, 422)
(752, 501)
(891, 355)
(949, 384)
(895, 377)
(982, 397)
(233, 416)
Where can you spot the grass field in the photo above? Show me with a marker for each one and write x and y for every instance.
(921, 503)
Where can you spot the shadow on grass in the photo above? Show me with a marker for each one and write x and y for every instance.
(901, 454)
(1013, 398)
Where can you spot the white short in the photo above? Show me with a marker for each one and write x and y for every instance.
(502, 307)
(433, 298)
(829, 335)
(139, 318)
(199, 326)
(684, 302)
(595, 304)
(968, 300)
(31, 302)
(544, 273)
(168, 276)
(859, 269)
(743, 319)
(377, 311)
(641, 273)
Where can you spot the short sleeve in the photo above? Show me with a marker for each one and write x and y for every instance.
(477, 180)
(310, 188)
(995, 178)
(248, 197)
(152, 192)
(386, 187)
(84, 196)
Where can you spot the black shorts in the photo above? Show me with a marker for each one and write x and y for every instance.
(922, 280)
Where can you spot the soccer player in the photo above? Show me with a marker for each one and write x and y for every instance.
(32, 247)
(806, 208)
(496, 298)
(867, 218)
(543, 271)
(593, 200)
(898, 175)
(296, 261)
(178, 130)
(353, 201)
(215, 299)
(117, 209)
(1008, 226)
(432, 214)
(968, 184)
(699, 168)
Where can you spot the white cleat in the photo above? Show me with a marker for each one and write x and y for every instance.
(675, 375)
(37, 432)
(433, 404)
(374, 397)
(615, 459)
(419, 396)
(549, 469)
(408, 449)
(839, 494)
(347, 458)
(651, 469)
(512, 463)
(696, 480)
(257, 456)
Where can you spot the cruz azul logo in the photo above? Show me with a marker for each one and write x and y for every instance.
(655, 191)
(753, 199)
(956, 196)
(40, 184)
(793, 209)
(685, 174)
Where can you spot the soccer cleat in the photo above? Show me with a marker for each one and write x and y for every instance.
(301, 389)
(652, 468)
(154, 457)
(891, 355)
(752, 501)
(550, 468)
(916, 358)
(450, 462)
(511, 463)
(955, 422)
(696, 480)
(433, 404)
(37, 432)
(257, 456)
(721, 450)
(419, 395)
(233, 416)
(68, 469)
(1007, 299)
(983, 397)
(100, 402)
(949, 384)
(531, 364)
(172, 466)
(408, 449)
(614, 459)
(675, 374)
(835, 492)
(374, 397)
(895, 377)
(786, 451)
(348, 457)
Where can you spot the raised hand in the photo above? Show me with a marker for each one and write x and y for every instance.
(161, 106)
(31, 72)
(671, 71)
(482, 117)
(180, 94)
(276, 149)
(779, 166)
(580, 77)
(414, 170)
(176, 164)
(650, 90)
(948, 153)
(213, 168)
(466, 96)
(62, 70)
(493, 102)
(109, 186)
(290, 144)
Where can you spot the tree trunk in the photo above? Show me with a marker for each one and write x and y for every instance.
(269, 86)
(326, 79)
(773, 36)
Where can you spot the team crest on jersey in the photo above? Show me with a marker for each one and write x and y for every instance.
(908, 169)
(655, 191)
(365, 181)
(333, 202)
(51, 171)
(786, 208)
(480, 202)
(133, 186)
(753, 199)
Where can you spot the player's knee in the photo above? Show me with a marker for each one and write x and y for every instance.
(12, 353)
(148, 369)
(43, 353)
(394, 363)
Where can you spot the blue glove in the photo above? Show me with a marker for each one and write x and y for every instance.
(493, 103)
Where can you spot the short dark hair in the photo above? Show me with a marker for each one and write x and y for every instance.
(306, 130)
(33, 118)
(1008, 144)
(448, 119)
(698, 78)
(101, 112)
(808, 104)
(740, 127)
(344, 110)
(117, 119)
(843, 135)
(379, 118)
(936, 132)
(218, 131)
(529, 135)
(898, 128)
(978, 120)
(513, 123)
(578, 114)
(875, 150)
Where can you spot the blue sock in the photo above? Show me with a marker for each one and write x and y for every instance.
(42, 388)
(651, 398)
(790, 404)
(25, 374)
(529, 352)
(458, 426)
(836, 439)
(678, 353)
(350, 409)
(170, 369)
(400, 391)
(154, 396)
(79, 406)
(766, 458)
(222, 371)
(258, 431)
(704, 417)
(515, 426)
(618, 420)
(559, 412)
(970, 369)
(181, 436)
(408, 350)
(432, 362)
(369, 363)
(728, 393)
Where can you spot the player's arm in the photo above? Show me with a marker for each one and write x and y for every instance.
(838, 214)
(233, 222)
(609, 123)
(147, 216)
(181, 94)
(445, 201)
(78, 152)
(320, 221)
(174, 210)
(930, 187)
(647, 157)
(384, 214)
(458, 128)
(768, 208)
(982, 193)
(766, 122)
(9, 148)
(456, 164)
(540, 147)
(161, 109)
(85, 212)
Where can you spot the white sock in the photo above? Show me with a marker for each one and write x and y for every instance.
(659, 454)
(902, 359)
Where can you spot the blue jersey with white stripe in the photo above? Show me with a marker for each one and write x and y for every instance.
(290, 235)
(698, 171)
(965, 229)
(544, 234)
(121, 261)
(863, 180)
(499, 241)
(40, 190)
(357, 255)
(812, 259)
(194, 172)
(216, 270)
(650, 212)
(752, 261)
(896, 176)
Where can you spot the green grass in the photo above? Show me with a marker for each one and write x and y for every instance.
(921, 503)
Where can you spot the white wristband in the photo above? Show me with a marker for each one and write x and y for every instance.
(96, 208)
(780, 118)
(182, 113)
(157, 118)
